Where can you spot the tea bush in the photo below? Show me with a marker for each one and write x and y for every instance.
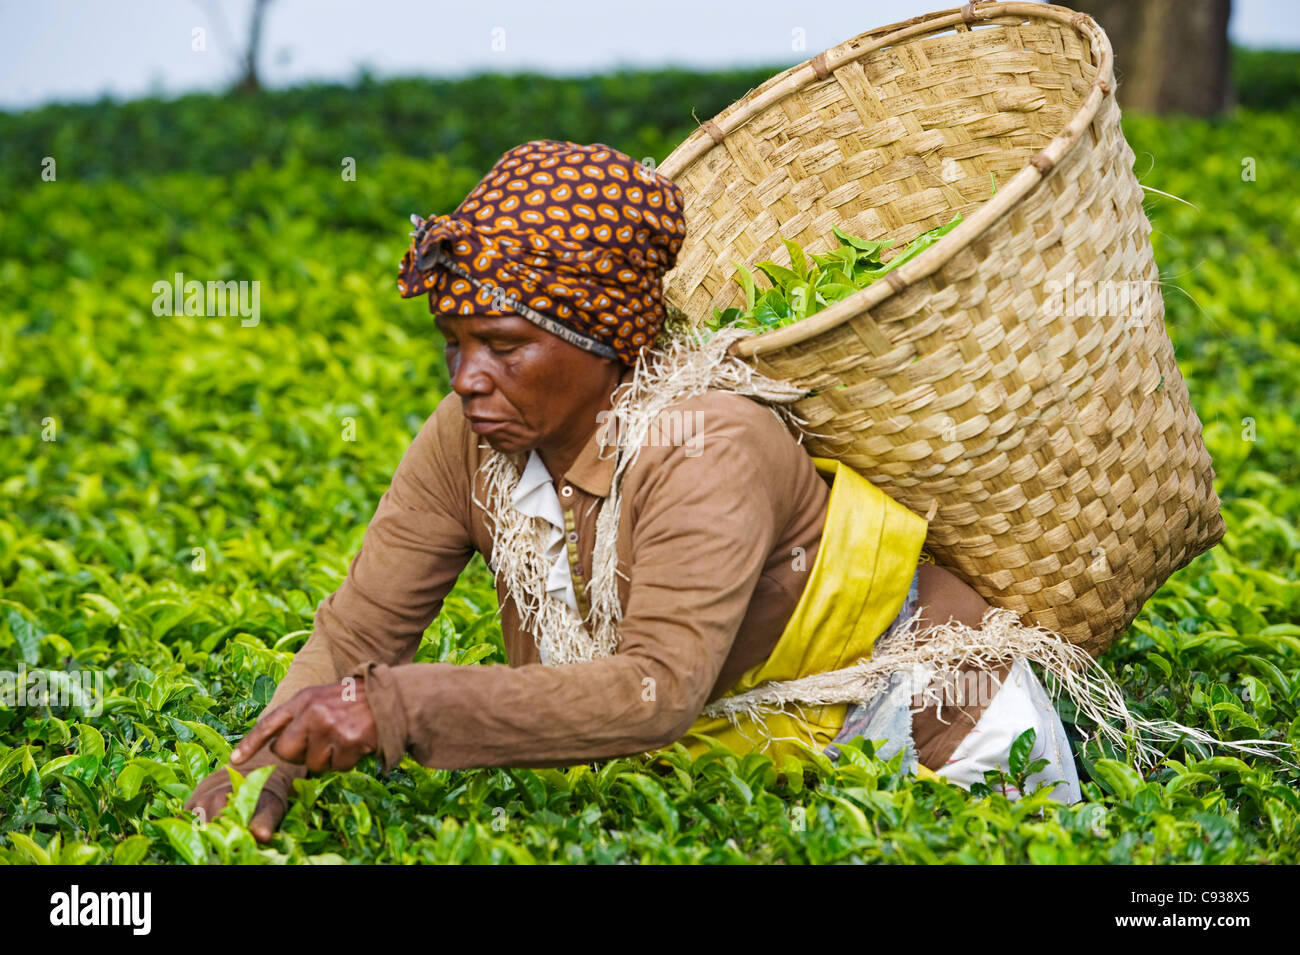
(180, 492)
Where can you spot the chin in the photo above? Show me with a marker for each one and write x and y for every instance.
(506, 444)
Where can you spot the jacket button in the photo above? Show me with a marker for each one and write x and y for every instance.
(566, 491)
(573, 536)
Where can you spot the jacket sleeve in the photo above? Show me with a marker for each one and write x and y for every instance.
(414, 549)
(703, 528)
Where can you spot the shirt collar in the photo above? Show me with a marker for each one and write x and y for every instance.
(533, 477)
(535, 496)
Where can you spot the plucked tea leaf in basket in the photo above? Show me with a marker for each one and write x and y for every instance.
(803, 289)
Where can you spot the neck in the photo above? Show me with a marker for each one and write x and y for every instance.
(559, 455)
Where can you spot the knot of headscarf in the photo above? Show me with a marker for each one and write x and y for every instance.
(574, 238)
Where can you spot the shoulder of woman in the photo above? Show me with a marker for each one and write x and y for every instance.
(444, 439)
(734, 416)
(705, 429)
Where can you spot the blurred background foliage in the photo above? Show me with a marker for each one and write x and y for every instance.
(468, 122)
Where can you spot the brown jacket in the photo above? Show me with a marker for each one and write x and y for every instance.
(709, 533)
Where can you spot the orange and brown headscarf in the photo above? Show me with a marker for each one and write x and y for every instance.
(574, 238)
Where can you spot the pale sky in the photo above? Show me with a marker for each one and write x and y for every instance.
(75, 50)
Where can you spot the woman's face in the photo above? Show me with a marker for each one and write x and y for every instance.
(522, 387)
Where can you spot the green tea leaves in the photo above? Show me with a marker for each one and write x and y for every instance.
(803, 289)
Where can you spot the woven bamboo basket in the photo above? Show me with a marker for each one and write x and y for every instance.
(1053, 446)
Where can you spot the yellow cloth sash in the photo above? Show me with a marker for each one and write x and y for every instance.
(869, 550)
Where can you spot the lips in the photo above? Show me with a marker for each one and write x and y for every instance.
(480, 425)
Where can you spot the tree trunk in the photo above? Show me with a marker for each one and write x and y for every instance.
(249, 82)
(1171, 56)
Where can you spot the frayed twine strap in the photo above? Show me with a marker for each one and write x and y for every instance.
(1000, 637)
(519, 558)
(681, 366)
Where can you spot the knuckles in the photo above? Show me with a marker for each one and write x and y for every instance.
(335, 729)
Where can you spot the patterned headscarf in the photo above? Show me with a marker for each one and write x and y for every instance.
(574, 238)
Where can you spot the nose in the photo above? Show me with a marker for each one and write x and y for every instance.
(468, 376)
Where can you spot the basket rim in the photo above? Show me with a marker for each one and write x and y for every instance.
(714, 132)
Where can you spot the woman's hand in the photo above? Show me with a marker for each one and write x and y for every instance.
(210, 795)
(321, 727)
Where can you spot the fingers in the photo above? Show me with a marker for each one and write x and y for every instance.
(267, 817)
(207, 802)
(314, 742)
(208, 805)
(327, 734)
(314, 729)
(210, 795)
(311, 739)
(292, 742)
(321, 757)
(270, 724)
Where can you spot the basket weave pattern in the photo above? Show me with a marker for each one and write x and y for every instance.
(1057, 455)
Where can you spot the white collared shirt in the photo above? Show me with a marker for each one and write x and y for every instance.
(535, 496)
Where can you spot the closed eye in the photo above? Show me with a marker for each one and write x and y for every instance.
(501, 345)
